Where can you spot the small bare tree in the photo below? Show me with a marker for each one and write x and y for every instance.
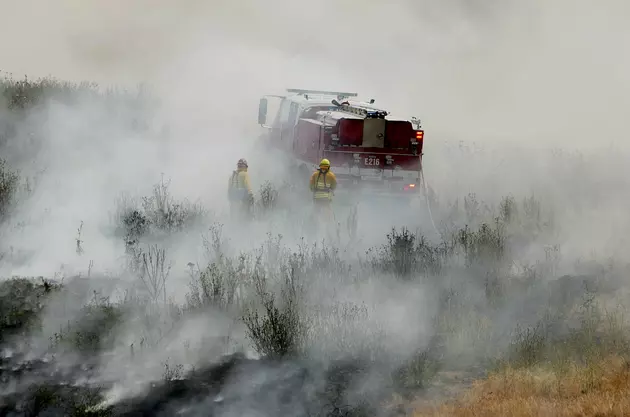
(154, 272)
(79, 241)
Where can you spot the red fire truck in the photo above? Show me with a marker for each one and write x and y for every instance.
(369, 151)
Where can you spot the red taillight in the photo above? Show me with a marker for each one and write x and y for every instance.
(419, 135)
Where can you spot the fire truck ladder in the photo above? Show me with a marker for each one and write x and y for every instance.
(363, 111)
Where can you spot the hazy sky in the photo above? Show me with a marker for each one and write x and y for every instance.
(534, 71)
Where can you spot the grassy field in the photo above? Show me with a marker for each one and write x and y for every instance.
(479, 322)
(597, 388)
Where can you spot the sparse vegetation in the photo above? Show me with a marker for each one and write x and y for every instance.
(94, 330)
(158, 214)
(406, 253)
(267, 200)
(165, 214)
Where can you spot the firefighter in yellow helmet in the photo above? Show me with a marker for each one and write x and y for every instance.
(323, 184)
(240, 191)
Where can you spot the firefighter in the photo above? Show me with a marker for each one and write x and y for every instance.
(323, 184)
(240, 191)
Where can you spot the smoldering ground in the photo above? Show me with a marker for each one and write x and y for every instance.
(475, 73)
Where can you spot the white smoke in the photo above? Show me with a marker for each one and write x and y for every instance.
(496, 84)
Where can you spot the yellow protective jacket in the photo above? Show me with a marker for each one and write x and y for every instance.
(322, 184)
(239, 186)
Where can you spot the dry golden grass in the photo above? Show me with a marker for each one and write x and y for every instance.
(599, 389)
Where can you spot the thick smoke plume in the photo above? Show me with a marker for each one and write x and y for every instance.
(516, 98)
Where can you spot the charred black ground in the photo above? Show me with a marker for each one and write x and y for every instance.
(36, 386)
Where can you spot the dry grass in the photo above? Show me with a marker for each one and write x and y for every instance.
(601, 388)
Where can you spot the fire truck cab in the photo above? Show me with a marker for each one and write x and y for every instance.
(369, 151)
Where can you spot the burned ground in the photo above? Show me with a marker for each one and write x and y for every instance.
(46, 386)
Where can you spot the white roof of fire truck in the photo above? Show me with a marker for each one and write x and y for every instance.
(348, 109)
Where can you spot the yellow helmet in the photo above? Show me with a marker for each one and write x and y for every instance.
(325, 163)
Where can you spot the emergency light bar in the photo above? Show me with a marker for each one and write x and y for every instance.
(322, 93)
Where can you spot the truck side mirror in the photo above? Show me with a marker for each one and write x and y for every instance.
(262, 111)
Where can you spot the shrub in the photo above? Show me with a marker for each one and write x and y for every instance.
(153, 271)
(94, 329)
(21, 302)
(405, 254)
(474, 210)
(279, 330)
(25, 94)
(158, 212)
(216, 285)
(61, 399)
(276, 332)
(165, 214)
(8, 186)
(268, 198)
(416, 373)
(485, 245)
(508, 209)
(554, 341)
(136, 225)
